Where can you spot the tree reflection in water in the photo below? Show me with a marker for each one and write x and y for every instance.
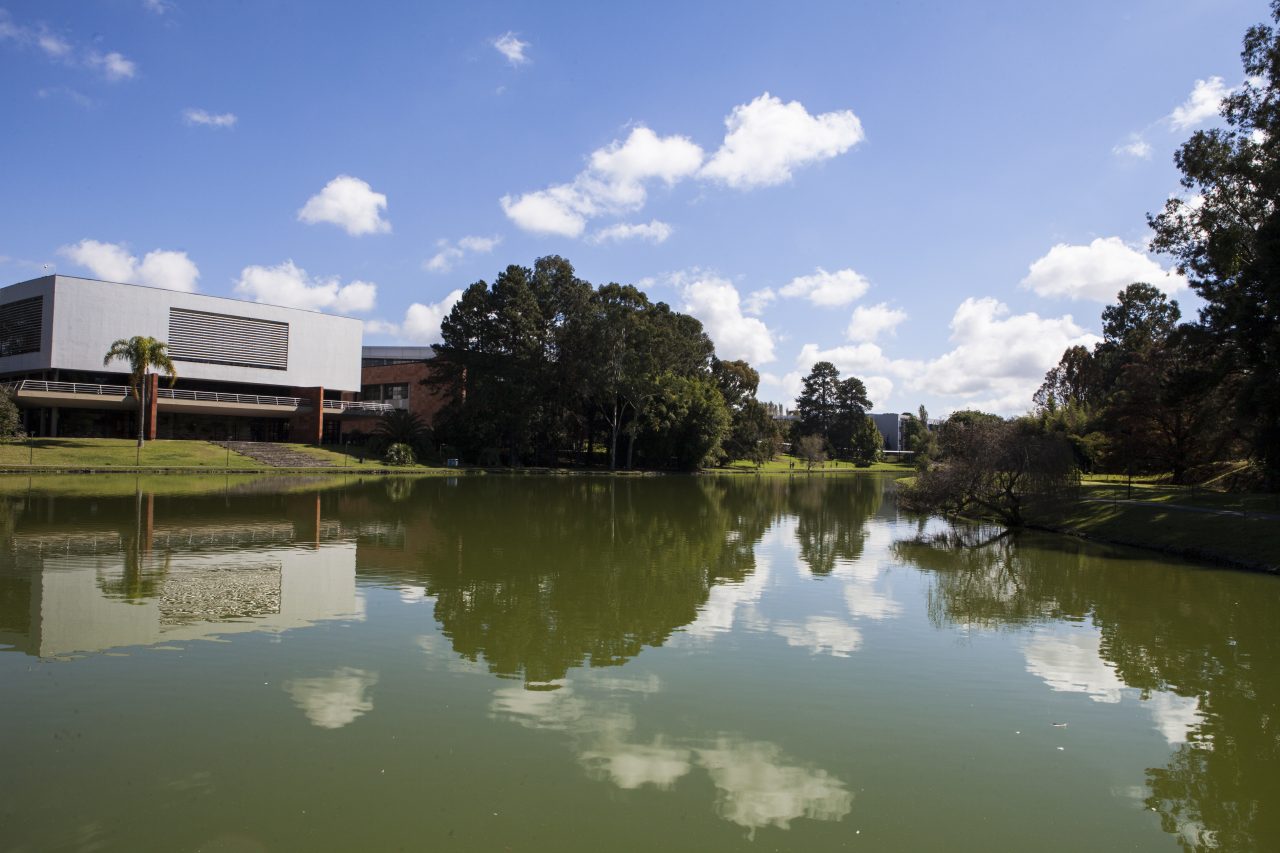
(1167, 631)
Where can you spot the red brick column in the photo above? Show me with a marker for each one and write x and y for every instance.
(308, 427)
(149, 420)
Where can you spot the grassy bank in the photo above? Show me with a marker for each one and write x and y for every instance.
(122, 454)
(785, 464)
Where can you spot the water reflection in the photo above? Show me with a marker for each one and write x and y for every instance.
(1116, 626)
(335, 700)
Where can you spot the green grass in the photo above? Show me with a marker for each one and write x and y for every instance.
(128, 484)
(1157, 492)
(785, 464)
(1238, 539)
(120, 453)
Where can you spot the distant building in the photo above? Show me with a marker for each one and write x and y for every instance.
(245, 370)
(892, 426)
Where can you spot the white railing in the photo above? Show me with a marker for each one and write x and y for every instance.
(219, 397)
(68, 388)
(357, 406)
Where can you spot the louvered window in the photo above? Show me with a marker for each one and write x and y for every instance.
(225, 339)
(21, 323)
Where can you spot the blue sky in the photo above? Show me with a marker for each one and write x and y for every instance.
(938, 197)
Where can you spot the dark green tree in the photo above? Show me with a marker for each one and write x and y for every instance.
(819, 400)
(1225, 237)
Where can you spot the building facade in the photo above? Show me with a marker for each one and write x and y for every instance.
(396, 377)
(245, 370)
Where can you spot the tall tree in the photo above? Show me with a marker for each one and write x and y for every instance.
(819, 401)
(143, 354)
(1225, 236)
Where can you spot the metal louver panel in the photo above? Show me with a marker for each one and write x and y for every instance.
(226, 339)
(21, 324)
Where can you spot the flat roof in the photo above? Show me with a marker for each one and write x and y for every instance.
(196, 293)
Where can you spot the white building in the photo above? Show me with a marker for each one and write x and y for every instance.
(245, 370)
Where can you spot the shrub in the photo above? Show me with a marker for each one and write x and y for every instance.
(400, 454)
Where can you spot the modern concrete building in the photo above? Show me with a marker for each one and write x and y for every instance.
(892, 426)
(245, 370)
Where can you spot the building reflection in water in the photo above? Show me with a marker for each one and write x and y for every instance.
(142, 581)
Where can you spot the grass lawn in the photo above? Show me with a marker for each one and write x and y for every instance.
(1254, 541)
(1146, 490)
(120, 453)
(785, 464)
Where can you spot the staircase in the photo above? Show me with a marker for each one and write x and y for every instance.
(275, 455)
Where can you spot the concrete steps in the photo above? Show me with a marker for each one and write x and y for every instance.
(275, 455)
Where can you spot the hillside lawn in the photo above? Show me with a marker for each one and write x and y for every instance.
(96, 454)
(786, 464)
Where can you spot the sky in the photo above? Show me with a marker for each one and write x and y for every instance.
(937, 197)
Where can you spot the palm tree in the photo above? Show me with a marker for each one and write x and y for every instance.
(142, 353)
(400, 426)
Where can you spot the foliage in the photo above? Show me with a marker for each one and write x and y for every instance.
(399, 454)
(541, 364)
(832, 408)
(867, 444)
(812, 449)
(1225, 235)
(992, 468)
(10, 419)
(143, 353)
(400, 426)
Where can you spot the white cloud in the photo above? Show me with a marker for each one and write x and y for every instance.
(208, 119)
(758, 300)
(716, 303)
(451, 253)
(421, 324)
(1202, 104)
(1097, 271)
(512, 48)
(1073, 663)
(170, 270)
(767, 139)
(654, 232)
(289, 285)
(828, 288)
(1136, 147)
(336, 700)
(158, 7)
(855, 359)
(998, 359)
(755, 787)
(113, 66)
(869, 322)
(612, 183)
(349, 203)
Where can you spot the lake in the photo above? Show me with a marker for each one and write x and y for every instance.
(606, 664)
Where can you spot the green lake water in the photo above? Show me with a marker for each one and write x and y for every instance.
(612, 664)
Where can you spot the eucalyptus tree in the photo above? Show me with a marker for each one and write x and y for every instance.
(143, 354)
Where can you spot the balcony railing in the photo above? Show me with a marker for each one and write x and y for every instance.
(122, 391)
(219, 397)
(354, 406)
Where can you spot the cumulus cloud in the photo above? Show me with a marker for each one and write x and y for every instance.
(715, 301)
(349, 203)
(168, 269)
(828, 288)
(451, 253)
(113, 66)
(654, 232)
(821, 634)
(1202, 104)
(289, 285)
(512, 48)
(1097, 271)
(421, 324)
(865, 360)
(758, 300)
(208, 119)
(767, 139)
(1135, 147)
(756, 788)
(869, 322)
(613, 183)
(998, 359)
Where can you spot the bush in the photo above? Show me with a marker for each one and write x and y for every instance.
(400, 454)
